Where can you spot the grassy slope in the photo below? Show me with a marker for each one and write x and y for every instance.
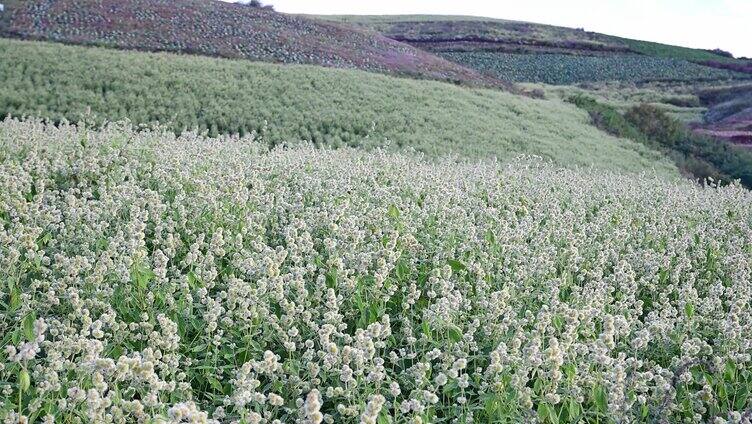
(300, 102)
(533, 30)
(419, 30)
(216, 28)
(675, 52)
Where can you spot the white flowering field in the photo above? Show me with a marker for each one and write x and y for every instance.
(148, 278)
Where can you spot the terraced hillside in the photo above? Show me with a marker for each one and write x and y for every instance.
(217, 28)
(528, 52)
(729, 114)
(565, 69)
(282, 103)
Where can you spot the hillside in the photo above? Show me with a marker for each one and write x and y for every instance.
(216, 28)
(729, 114)
(214, 213)
(216, 281)
(289, 103)
(529, 52)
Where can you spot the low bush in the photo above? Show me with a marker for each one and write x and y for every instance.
(731, 160)
(696, 155)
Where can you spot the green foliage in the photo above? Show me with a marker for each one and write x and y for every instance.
(291, 103)
(696, 155)
(731, 160)
(186, 279)
(570, 69)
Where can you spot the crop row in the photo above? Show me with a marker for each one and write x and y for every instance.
(561, 69)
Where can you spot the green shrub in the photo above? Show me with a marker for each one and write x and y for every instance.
(696, 156)
(730, 160)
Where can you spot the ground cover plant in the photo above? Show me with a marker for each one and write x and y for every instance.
(217, 28)
(149, 278)
(291, 103)
(445, 34)
(565, 69)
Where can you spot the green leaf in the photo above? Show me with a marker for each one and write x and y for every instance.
(570, 370)
(426, 329)
(384, 418)
(741, 398)
(393, 212)
(574, 410)
(491, 405)
(331, 279)
(730, 372)
(193, 281)
(552, 415)
(456, 265)
(216, 385)
(141, 276)
(28, 326)
(402, 270)
(689, 309)
(547, 413)
(24, 380)
(490, 238)
(600, 398)
(543, 411)
(558, 322)
(455, 334)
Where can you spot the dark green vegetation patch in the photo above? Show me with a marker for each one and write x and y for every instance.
(564, 69)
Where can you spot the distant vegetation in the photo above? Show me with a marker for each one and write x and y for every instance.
(576, 55)
(696, 155)
(445, 33)
(291, 103)
(563, 69)
(216, 28)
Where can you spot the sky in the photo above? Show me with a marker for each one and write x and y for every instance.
(707, 24)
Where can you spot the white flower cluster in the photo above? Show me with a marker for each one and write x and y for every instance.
(153, 278)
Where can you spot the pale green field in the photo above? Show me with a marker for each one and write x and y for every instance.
(292, 103)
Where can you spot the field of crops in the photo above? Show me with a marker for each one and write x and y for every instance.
(562, 69)
(290, 103)
(158, 279)
(217, 28)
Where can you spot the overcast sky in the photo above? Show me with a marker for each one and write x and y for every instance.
(725, 24)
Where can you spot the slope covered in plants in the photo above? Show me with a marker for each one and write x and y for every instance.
(546, 53)
(154, 278)
(289, 103)
(217, 28)
(566, 69)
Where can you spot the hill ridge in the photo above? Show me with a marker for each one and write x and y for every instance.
(215, 28)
